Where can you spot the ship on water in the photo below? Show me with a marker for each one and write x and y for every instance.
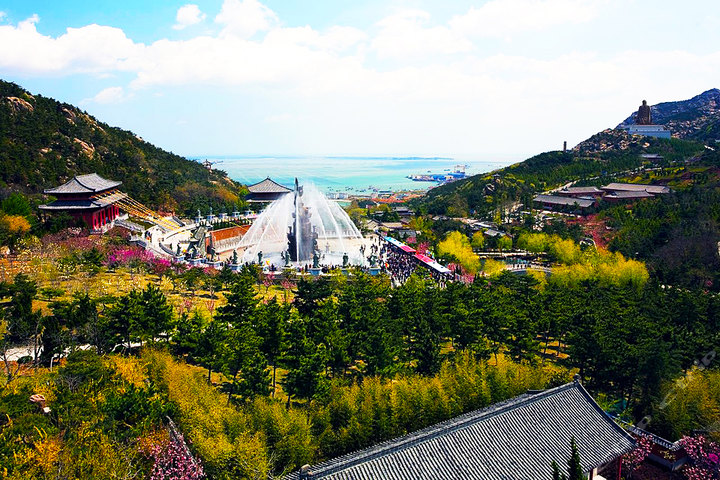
(447, 177)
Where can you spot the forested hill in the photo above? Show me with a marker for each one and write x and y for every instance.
(603, 154)
(697, 118)
(44, 142)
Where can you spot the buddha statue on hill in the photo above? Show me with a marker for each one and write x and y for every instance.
(643, 114)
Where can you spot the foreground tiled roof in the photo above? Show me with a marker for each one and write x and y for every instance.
(89, 183)
(565, 201)
(267, 186)
(514, 440)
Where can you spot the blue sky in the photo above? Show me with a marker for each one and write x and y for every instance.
(398, 77)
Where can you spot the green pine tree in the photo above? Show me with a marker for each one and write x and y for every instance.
(575, 470)
(557, 474)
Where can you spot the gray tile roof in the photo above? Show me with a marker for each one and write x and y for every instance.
(267, 186)
(636, 187)
(633, 194)
(514, 440)
(580, 190)
(564, 201)
(89, 183)
(84, 204)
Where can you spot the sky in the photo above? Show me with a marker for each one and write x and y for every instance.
(495, 78)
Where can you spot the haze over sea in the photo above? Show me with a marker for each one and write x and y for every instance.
(350, 174)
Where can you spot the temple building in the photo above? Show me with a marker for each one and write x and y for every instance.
(90, 197)
(266, 191)
(564, 203)
(513, 440)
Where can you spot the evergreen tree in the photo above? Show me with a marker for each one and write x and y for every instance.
(557, 474)
(157, 312)
(575, 470)
(210, 346)
(271, 321)
(304, 360)
(188, 334)
(125, 318)
(22, 321)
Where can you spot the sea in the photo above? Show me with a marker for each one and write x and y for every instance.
(350, 174)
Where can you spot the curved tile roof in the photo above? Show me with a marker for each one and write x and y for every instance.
(514, 440)
(268, 186)
(90, 183)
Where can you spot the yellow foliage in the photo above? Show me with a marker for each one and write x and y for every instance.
(570, 275)
(534, 242)
(478, 240)
(457, 245)
(540, 276)
(15, 224)
(219, 432)
(603, 266)
(129, 369)
(492, 267)
(692, 402)
(564, 251)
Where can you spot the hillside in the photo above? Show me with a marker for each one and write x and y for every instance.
(697, 118)
(44, 142)
(602, 154)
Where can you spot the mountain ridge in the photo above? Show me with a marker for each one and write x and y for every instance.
(44, 142)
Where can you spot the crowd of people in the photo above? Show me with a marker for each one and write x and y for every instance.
(397, 264)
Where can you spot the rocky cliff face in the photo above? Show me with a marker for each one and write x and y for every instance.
(697, 118)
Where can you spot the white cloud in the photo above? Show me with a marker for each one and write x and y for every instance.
(107, 96)
(502, 18)
(89, 49)
(404, 34)
(188, 15)
(451, 92)
(245, 18)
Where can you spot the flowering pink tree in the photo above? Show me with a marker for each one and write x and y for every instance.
(160, 266)
(134, 257)
(633, 459)
(705, 456)
(423, 248)
(287, 285)
(171, 459)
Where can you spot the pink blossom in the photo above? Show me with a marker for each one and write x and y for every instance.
(172, 460)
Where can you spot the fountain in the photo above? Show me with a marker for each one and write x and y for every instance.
(294, 227)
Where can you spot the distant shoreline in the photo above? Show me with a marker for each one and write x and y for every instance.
(347, 175)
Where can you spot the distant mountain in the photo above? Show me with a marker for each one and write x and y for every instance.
(607, 152)
(697, 118)
(603, 154)
(44, 142)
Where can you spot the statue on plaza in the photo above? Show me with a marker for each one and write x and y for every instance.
(644, 116)
(260, 257)
(235, 257)
(373, 261)
(345, 259)
(316, 259)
